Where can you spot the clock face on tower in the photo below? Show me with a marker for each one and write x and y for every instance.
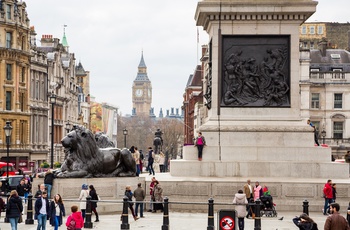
(138, 93)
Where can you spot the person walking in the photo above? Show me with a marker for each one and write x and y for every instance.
(57, 211)
(21, 189)
(150, 161)
(48, 181)
(42, 211)
(75, 217)
(240, 199)
(157, 197)
(94, 197)
(200, 143)
(129, 195)
(328, 196)
(14, 209)
(335, 221)
(83, 194)
(334, 192)
(304, 222)
(140, 196)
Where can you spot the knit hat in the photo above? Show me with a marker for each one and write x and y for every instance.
(84, 186)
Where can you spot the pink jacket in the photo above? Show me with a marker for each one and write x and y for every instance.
(79, 222)
(257, 192)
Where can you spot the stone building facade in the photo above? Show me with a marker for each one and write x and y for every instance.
(337, 34)
(14, 77)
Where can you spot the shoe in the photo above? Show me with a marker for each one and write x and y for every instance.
(136, 218)
(142, 216)
(97, 221)
(154, 211)
(149, 210)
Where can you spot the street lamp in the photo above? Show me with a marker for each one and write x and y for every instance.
(8, 131)
(68, 127)
(125, 133)
(323, 134)
(53, 102)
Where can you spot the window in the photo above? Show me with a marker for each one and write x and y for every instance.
(9, 72)
(23, 76)
(319, 29)
(8, 40)
(8, 100)
(314, 73)
(8, 11)
(21, 101)
(303, 30)
(338, 100)
(312, 29)
(305, 44)
(336, 73)
(338, 130)
(312, 45)
(315, 100)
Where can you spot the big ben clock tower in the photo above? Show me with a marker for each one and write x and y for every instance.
(142, 91)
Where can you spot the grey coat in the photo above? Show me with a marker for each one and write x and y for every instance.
(240, 198)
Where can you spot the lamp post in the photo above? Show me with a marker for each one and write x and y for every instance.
(68, 127)
(125, 133)
(323, 134)
(8, 131)
(53, 102)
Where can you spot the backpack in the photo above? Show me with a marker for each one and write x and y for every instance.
(141, 156)
(71, 225)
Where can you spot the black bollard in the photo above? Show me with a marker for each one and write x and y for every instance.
(210, 214)
(124, 217)
(257, 222)
(88, 223)
(30, 219)
(165, 225)
(306, 207)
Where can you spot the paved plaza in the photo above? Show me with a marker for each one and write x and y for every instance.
(183, 221)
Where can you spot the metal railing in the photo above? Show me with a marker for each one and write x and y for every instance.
(256, 207)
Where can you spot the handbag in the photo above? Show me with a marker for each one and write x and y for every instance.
(20, 219)
(253, 214)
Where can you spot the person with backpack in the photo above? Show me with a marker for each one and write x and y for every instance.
(75, 220)
(304, 222)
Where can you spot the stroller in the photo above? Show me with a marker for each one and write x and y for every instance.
(268, 208)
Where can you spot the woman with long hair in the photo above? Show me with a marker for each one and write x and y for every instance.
(57, 211)
(14, 209)
(304, 222)
(94, 198)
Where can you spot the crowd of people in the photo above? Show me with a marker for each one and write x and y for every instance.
(149, 162)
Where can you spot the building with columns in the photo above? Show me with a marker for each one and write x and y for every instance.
(14, 77)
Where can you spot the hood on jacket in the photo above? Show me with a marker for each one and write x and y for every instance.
(16, 199)
(240, 198)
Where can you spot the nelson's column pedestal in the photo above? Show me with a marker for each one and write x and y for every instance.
(253, 126)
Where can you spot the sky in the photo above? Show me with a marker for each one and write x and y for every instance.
(109, 38)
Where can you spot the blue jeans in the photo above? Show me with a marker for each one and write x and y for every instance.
(150, 168)
(137, 208)
(13, 222)
(49, 187)
(41, 222)
(327, 202)
(56, 222)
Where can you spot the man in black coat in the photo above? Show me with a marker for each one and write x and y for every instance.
(42, 211)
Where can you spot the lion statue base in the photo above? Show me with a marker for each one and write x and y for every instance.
(85, 158)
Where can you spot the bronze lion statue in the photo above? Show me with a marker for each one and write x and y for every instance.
(84, 158)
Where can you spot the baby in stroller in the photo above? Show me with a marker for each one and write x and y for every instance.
(268, 208)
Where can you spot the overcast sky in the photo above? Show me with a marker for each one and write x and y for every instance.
(109, 36)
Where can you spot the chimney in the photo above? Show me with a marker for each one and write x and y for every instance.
(322, 45)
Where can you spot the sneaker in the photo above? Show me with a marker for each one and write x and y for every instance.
(142, 216)
(149, 210)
